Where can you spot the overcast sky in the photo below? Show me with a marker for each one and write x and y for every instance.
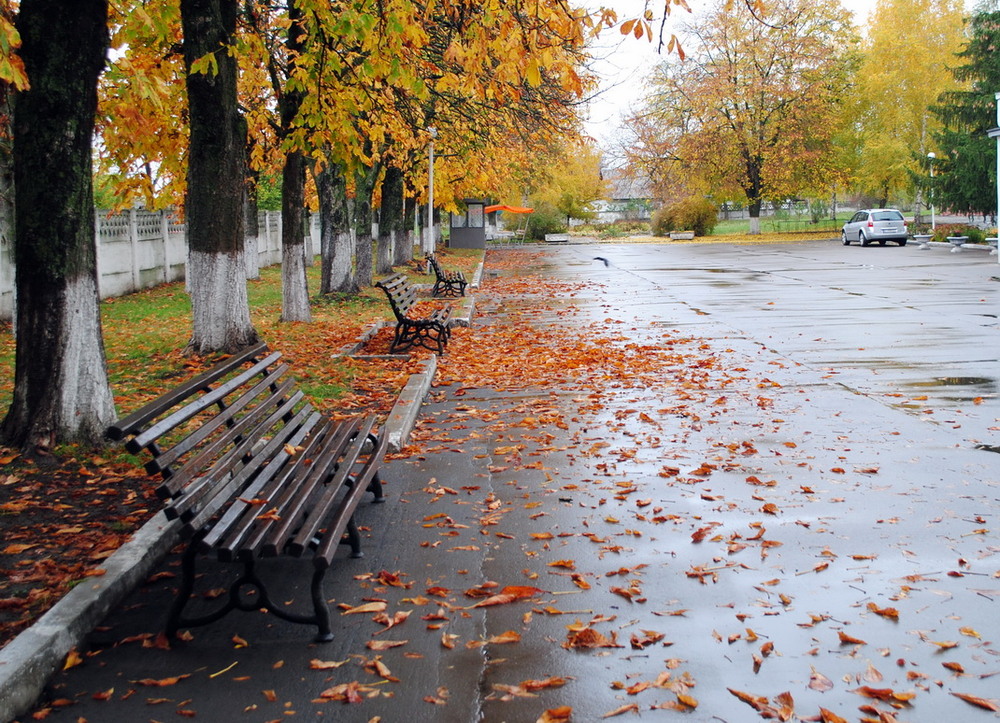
(627, 61)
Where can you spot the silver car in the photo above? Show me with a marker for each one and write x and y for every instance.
(875, 224)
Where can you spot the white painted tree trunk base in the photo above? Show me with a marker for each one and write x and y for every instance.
(218, 281)
(85, 406)
(294, 286)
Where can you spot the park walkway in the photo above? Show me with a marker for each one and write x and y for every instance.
(721, 479)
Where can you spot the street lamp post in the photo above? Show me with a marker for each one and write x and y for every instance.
(429, 237)
(930, 157)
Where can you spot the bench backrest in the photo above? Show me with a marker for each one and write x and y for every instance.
(222, 434)
(402, 294)
(438, 271)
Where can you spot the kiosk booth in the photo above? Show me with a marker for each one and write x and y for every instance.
(468, 229)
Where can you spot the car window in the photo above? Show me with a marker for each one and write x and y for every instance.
(887, 216)
(855, 218)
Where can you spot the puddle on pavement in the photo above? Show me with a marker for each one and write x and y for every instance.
(986, 383)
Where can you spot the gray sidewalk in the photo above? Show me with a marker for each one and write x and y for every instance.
(766, 451)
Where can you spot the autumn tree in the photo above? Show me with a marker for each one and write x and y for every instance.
(897, 82)
(575, 182)
(142, 118)
(752, 108)
(61, 390)
(215, 180)
(966, 164)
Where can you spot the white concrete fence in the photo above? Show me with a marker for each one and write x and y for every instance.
(140, 249)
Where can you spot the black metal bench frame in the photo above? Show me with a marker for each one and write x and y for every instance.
(431, 332)
(448, 283)
(252, 470)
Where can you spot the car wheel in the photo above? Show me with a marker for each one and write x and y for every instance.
(902, 242)
(843, 237)
(861, 239)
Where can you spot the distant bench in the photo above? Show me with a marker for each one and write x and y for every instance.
(431, 332)
(253, 471)
(556, 237)
(447, 283)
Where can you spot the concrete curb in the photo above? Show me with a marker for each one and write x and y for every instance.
(27, 662)
(404, 412)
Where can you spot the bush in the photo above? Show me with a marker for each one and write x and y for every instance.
(692, 214)
(818, 210)
(546, 219)
(943, 231)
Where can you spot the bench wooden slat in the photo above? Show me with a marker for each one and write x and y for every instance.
(162, 463)
(231, 522)
(295, 510)
(321, 510)
(220, 453)
(133, 422)
(140, 441)
(246, 539)
(266, 461)
(325, 552)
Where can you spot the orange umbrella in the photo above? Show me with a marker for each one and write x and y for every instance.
(512, 209)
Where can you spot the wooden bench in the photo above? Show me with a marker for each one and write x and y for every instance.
(448, 283)
(252, 470)
(431, 332)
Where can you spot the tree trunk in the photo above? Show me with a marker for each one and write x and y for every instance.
(363, 238)
(336, 241)
(215, 188)
(7, 190)
(61, 391)
(251, 217)
(404, 245)
(364, 184)
(294, 285)
(754, 210)
(753, 189)
(391, 220)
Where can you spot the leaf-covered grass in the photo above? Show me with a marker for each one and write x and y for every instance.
(145, 333)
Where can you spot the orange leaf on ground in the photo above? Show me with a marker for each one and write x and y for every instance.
(627, 708)
(380, 645)
(509, 594)
(317, 664)
(554, 681)
(347, 692)
(849, 640)
(562, 714)
(372, 607)
(818, 681)
(975, 700)
(568, 564)
(827, 716)
(891, 613)
(162, 682)
(589, 638)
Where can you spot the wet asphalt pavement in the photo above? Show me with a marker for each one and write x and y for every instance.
(772, 470)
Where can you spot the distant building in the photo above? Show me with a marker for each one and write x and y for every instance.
(631, 198)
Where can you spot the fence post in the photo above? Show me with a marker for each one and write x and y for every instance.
(164, 242)
(99, 242)
(133, 242)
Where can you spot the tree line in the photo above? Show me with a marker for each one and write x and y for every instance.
(802, 106)
(193, 102)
